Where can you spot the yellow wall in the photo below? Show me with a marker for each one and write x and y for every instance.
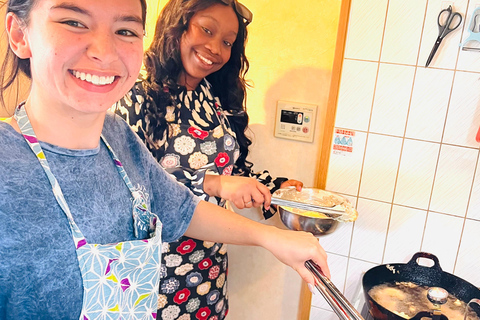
(291, 51)
(153, 9)
(286, 36)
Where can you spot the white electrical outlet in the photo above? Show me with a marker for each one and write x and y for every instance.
(295, 121)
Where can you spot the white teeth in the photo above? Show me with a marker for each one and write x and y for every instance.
(95, 79)
(204, 59)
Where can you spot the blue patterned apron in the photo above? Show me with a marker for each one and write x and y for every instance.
(120, 280)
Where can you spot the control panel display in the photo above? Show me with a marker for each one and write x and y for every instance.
(295, 121)
(293, 117)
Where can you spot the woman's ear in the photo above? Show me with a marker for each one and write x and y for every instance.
(17, 37)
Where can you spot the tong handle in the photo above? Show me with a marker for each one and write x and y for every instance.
(337, 301)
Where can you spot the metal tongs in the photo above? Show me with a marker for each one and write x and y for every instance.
(337, 301)
(332, 212)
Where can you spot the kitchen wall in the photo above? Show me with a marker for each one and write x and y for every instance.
(291, 50)
(412, 164)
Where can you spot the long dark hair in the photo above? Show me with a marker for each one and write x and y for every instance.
(164, 64)
(12, 65)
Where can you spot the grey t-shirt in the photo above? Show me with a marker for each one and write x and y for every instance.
(39, 273)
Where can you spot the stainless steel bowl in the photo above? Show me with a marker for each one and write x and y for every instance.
(317, 226)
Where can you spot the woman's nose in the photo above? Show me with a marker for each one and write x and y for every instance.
(214, 46)
(102, 48)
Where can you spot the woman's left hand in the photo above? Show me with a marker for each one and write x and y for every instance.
(295, 183)
(243, 192)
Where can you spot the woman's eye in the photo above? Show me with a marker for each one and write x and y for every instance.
(206, 30)
(228, 44)
(74, 24)
(127, 33)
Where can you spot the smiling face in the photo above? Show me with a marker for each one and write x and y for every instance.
(84, 55)
(206, 45)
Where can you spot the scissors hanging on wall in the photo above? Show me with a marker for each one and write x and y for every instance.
(445, 21)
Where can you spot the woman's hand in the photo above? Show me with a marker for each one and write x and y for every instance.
(294, 248)
(243, 192)
(295, 183)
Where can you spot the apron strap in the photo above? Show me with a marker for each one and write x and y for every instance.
(28, 133)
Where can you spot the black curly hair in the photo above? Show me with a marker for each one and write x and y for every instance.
(163, 65)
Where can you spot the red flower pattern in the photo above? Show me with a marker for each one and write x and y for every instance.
(227, 171)
(203, 313)
(197, 133)
(213, 273)
(181, 296)
(205, 264)
(186, 246)
(222, 159)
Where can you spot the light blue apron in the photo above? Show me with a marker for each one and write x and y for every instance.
(120, 280)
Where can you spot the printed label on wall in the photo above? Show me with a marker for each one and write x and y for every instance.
(343, 142)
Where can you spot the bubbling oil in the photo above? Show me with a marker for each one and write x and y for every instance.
(406, 299)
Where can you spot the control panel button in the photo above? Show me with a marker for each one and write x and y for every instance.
(299, 118)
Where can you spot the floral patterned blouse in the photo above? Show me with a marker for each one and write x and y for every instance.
(194, 272)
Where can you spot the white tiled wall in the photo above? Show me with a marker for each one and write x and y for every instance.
(412, 172)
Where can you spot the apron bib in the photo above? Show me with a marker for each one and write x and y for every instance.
(196, 148)
(120, 280)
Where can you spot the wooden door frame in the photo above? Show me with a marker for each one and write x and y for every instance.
(322, 164)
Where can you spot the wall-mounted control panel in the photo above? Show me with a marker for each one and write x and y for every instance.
(295, 121)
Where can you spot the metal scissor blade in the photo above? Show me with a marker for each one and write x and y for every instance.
(434, 50)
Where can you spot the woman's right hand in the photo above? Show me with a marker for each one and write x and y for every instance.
(243, 192)
(293, 248)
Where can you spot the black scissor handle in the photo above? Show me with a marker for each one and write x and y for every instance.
(447, 28)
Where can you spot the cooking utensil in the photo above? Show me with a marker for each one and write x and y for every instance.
(437, 296)
(469, 306)
(432, 276)
(444, 21)
(474, 34)
(333, 212)
(337, 301)
(327, 203)
(317, 226)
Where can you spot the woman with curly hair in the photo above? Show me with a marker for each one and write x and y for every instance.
(189, 109)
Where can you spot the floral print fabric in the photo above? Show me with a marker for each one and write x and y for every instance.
(194, 272)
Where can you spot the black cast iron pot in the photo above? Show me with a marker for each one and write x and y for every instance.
(432, 276)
